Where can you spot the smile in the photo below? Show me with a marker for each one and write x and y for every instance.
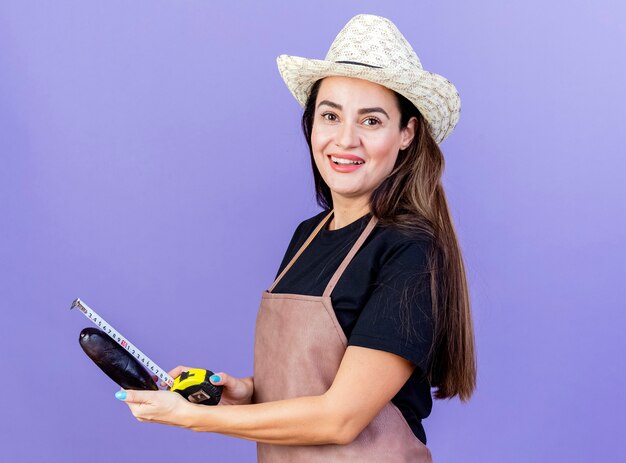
(345, 161)
(343, 165)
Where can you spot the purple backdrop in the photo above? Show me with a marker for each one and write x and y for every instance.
(151, 163)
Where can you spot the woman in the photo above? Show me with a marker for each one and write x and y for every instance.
(370, 307)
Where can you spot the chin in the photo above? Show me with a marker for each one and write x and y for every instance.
(350, 193)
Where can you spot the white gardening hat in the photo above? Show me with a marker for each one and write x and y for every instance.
(372, 48)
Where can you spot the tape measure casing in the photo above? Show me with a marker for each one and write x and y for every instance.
(194, 385)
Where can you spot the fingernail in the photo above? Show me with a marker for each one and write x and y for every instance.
(120, 395)
(215, 378)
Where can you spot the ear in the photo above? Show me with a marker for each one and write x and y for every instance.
(408, 133)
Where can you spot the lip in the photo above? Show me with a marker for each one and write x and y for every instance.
(345, 168)
(350, 157)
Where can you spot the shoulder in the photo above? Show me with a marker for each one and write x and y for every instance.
(407, 249)
(308, 225)
(302, 231)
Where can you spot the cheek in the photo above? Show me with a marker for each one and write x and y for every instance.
(320, 137)
(317, 145)
(384, 150)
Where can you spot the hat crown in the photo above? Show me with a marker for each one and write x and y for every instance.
(374, 41)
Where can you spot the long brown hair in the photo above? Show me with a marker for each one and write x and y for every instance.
(412, 199)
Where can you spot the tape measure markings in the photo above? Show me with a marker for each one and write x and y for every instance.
(122, 341)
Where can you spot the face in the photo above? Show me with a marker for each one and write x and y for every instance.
(356, 136)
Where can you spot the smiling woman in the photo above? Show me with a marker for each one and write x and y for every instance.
(369, 308)
(356, 130)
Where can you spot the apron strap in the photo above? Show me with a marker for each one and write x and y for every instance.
(359, 242)
(302, 248)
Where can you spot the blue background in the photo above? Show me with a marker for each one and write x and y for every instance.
(151, 163)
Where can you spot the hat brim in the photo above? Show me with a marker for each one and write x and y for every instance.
(433, 95)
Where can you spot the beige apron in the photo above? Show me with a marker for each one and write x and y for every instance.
(298, 347)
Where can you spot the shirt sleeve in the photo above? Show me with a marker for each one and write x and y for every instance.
(397, 317)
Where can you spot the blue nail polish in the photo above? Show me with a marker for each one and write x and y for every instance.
(120, 395)
(215, 378)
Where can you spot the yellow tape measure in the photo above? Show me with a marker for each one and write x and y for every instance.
(193, 385)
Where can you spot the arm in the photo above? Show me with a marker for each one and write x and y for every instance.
(366, 381)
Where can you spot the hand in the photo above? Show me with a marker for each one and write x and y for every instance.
(237, 391)
(163, 407)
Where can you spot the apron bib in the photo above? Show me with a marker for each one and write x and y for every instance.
(298, 347)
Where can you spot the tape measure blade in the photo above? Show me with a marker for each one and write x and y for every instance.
(106, 327)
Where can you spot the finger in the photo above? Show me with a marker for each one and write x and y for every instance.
(175, 373)
(134, 397)
(156, 380)
(221, 379)
(235, 385)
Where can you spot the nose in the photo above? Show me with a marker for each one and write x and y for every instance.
(347, 136)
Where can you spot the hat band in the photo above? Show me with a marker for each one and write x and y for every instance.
(360, 64)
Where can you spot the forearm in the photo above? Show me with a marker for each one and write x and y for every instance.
(336, 417)
(303, 420)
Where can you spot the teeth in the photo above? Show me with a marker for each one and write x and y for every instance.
(345, 161)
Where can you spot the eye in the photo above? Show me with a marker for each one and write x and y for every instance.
(329, 117)
(372, 121)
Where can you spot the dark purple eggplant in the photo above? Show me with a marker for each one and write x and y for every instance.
(115, 361)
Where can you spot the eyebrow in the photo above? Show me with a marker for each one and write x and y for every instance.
(360, 111)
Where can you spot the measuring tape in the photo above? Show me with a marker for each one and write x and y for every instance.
(193, 384)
